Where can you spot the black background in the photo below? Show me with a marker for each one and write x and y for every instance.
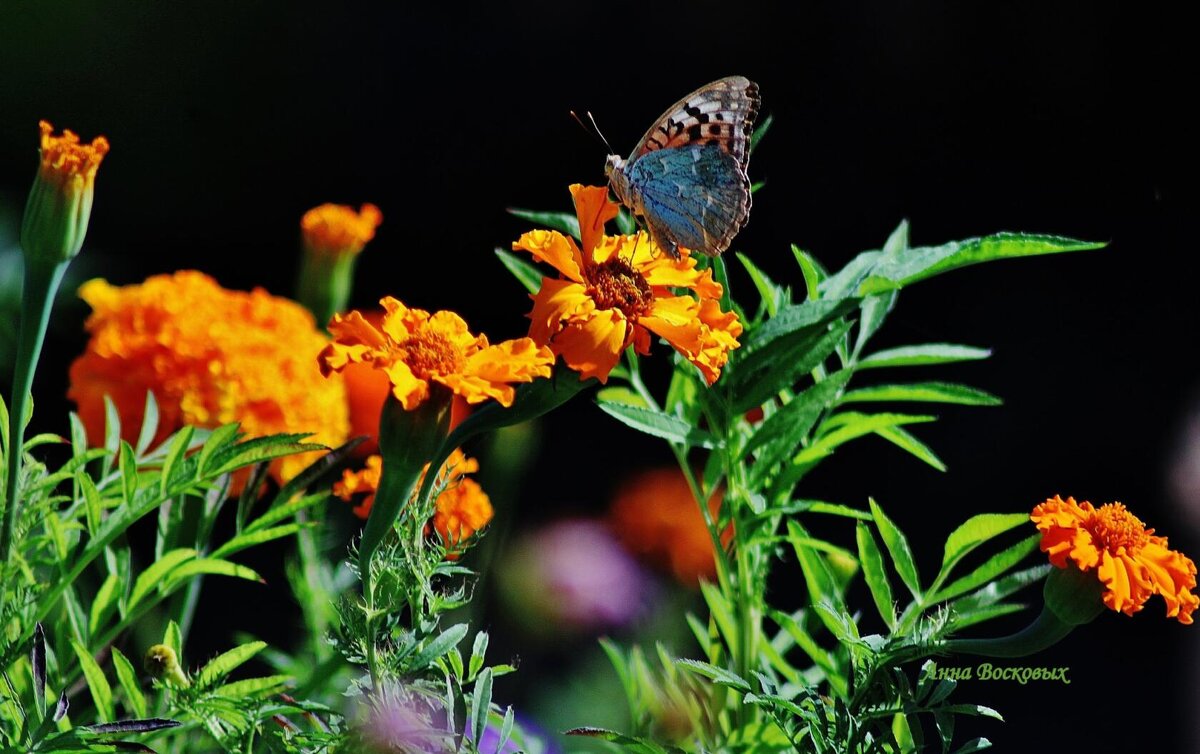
(229, 119)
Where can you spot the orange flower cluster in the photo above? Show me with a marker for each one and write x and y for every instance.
(616, 290)
(65, 158)
(462, 508)
(415, 348)
(1128, 558)
(656, 517)
(210, 356)
(336, 229)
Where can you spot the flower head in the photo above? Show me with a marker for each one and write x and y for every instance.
(656, 517)
(1129, 560)
(210, 356)
(415, 349)
(616, 290)
(338, 230)
(60, 202)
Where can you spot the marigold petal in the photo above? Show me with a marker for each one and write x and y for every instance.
(681, 321)
(556, 302)
(400, 322)
(555, 249)
(593, 346)
(409, 389)
(489, 371)
(1128, 584)
(1173, 576)
(353, 328)
(594, 209)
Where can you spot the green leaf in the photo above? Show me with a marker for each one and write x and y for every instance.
(874, 311)
(481, 702)
(721, 612)
(974, 745)
(790, 424)
(903, 439)
(177, 448)
(620, 394)
(922, 355)
(811, 270)
(915, 264)
(991, 568)
(93, 506)
(765, 374)
(875, 575)
(219, 439)
(804, 640)
(525, 273)
(925, 392)
(564, 222)
(773, 296)
(658, 424)
(157, 572)
(210, 566)
(104, 603)
(720, 676)
(632, 744)
(149, 424)
(439, 646)
(760, 131)
(897, 546)
(977, 530)
(253, 688)
(257, 537)
(128, 678)
(173, 639)
(822, 587)
(97, 683)
(129, 475)
(789, 321)
(478, 652)
(112, 435)
(226, 662)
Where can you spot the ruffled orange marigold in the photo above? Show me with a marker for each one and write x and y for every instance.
(415, 348)
(656, 517)
(462, 508)
(210, 356)
(337, 229)
(1128, 558)
(616, 290)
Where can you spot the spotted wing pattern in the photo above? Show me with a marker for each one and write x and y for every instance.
(720, 113)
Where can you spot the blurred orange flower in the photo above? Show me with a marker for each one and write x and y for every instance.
(462, 508)
(210, 356)
(616, 290)
(336, 229)
(1129, 560)
(414, 348)
(656, 517)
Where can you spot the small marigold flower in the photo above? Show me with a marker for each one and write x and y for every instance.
(210, 356)
(657, 518)
(415, 348)
(616, 290)
(338, 230)
(1128, 559)
(60, 202)
(462, 508)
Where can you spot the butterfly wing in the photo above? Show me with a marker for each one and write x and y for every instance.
(687, 175)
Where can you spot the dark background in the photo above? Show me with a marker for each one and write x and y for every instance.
(229, 119)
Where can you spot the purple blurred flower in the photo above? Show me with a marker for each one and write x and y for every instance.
(574, 574)
(398, 722)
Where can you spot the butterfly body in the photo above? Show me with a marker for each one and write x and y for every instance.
(687, 176)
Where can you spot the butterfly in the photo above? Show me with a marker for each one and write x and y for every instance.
(687, 178)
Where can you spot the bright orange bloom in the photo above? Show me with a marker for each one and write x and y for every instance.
(210, 356)
(1128, 559)
(657, 518)
(337, 229)
(415, 348)
(65, 158)
(616, 290)
(60, 202)
(462, 508)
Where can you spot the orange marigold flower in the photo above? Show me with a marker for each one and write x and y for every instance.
(1128, 558)
(337, 229)
(616, 290)
(415, 348)
(60, 202)
(657, 518)
(210, 356)
(462, 508)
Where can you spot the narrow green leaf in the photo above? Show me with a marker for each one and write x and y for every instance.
(210, 566)
(439, 646)
(720, 676)
(875, 575)
(112, 435)
(721, 612)
(760, 131)
(925, 392)
(822, 587)
(620, 394)
(923, 355)
(874, 311)
(478, 652)
(253, 688)
(149, 424)
(129, 683)
(897, 546)
(758, 379)
(506, 729)
(173, 639)
(977, 530)
(564, 222)
(97, 683)
(103, 604)
(93, 507)
(253, 538)
(481, 702)
(157, 572)
(226, 662)
(790, 320)
(771, 293)
(526, 274)
(658, 424)
(991, 568)
(811, 270)
(176, 449)
(903, 439)
(129, 475)
(790, 424)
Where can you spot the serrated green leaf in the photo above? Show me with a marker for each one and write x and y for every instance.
(526, 274)
(97, 683)
(178, 446)
(226, 662)
(104, 603)
(219, 439)
(925, 392)
(157, 573)
(759, 378)
(811, 270)
(720, 676)
(923, 355)
(897, 546)
(658, 424)
(481, 702)
(212, 567)
(904, 440)
(564, 222)
(772, 294)
(149, 426)
(257, 537)
(990, 569)
(253, 688)
(439, 646)
(977, 530)
(478, 653)
(620, 394)
(173, 639)
(127, 676)
(783, 430)
(129, 474)
(875, 575)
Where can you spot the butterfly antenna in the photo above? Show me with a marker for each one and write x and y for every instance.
(594, 131)
(599, 133)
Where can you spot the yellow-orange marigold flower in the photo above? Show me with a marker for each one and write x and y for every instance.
(656, 517)
(60, 202)
(616, 290)
(1128, 558)
(462, 508)
(338, 229)
(210, 356)
(415, 348)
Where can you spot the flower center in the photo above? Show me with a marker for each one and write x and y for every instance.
(1116, 527)
(429, 353)
(616, 285)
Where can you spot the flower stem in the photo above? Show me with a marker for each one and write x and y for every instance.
(42, 279)
(1045, 631)
(325, 283)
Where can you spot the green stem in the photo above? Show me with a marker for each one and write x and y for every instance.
(325, 283)
(1045, 631)
(42, 279)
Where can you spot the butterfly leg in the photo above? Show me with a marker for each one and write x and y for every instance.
(663, 237)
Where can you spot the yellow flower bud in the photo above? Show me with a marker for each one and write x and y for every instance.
(60, 202)
(162, 663)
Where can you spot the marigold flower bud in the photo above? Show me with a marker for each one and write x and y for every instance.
(162, 663)
(60, 202)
